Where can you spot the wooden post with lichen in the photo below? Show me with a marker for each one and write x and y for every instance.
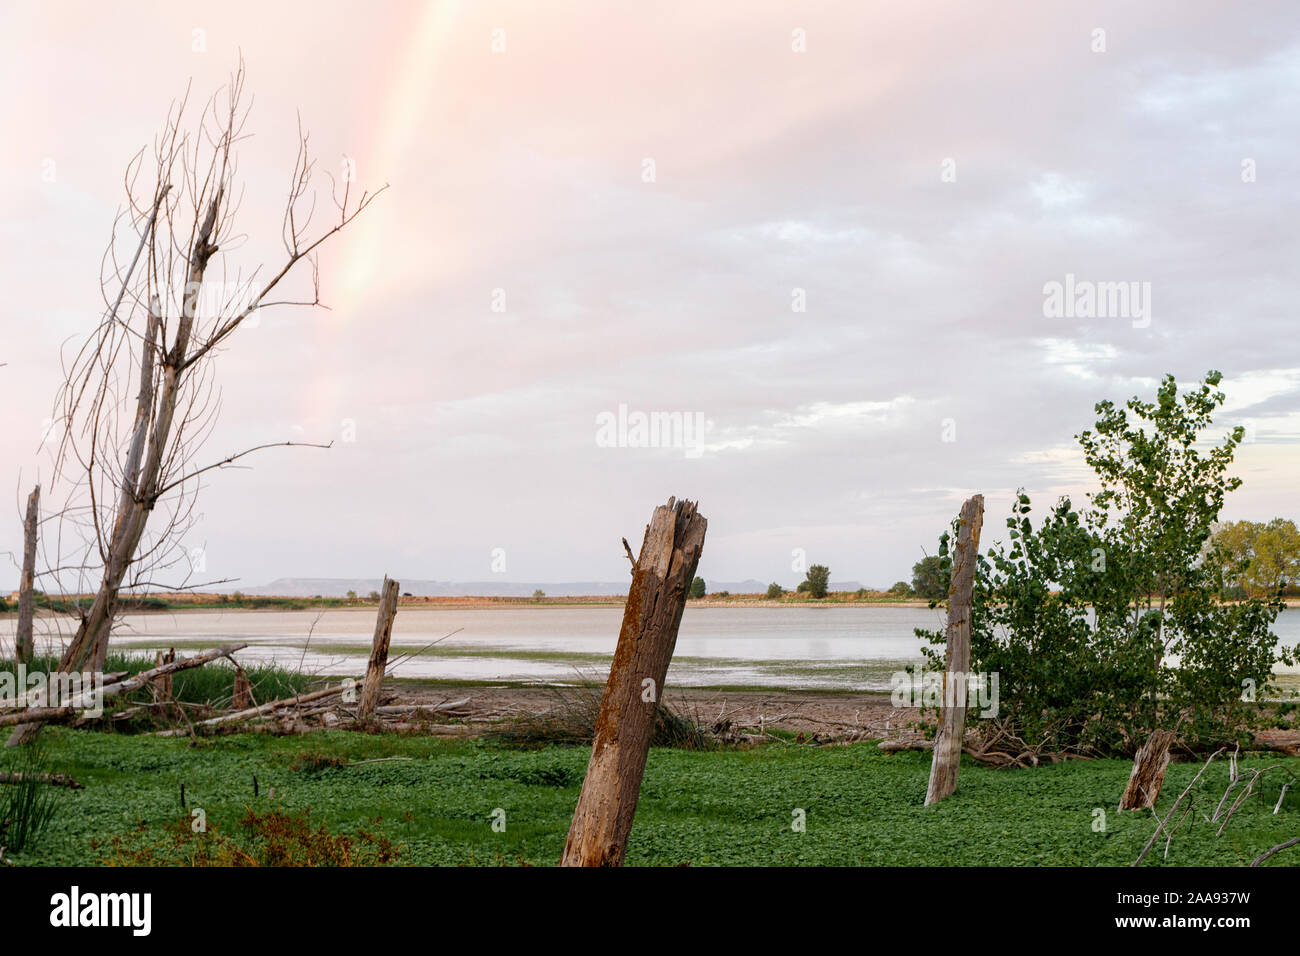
(24, 643)
(961, 591)
(661, 581)
(379, 649)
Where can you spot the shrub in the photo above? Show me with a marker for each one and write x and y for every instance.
(1081, 615)
(818, 580)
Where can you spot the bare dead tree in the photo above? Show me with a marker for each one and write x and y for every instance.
(173, 299)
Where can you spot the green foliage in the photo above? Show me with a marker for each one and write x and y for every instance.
(26, 807)
(718, 807)
(817, 582)
(774, 591)
(931, 576)
(1260, 559)
(538, 594)
(1106, 624)
(698, 588)
(901, 589)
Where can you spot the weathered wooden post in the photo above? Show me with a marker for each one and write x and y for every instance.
(161, 686)
(952, 723)
(625, 724)
(379, 649)
(24, 644)
(241, 696)
(1148, 773)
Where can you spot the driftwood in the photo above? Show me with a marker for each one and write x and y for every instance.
(952, 724)
(259, 711)
(625, 722)
(1168, 816)
(893, 746)
(1148, 774)
(400, 709)
(24, 645)
(82, 701)
(53, 779)
(1277, 849)
(379, 649)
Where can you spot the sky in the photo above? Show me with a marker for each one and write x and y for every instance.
(823, 234)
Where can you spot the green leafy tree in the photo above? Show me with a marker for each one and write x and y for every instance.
(1107, 623)
(817, 581)
(931, 577)
(698, 588)
(900, 589)
(1259, 559)
(775, 590)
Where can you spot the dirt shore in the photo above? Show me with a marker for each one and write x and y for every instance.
(808, 712)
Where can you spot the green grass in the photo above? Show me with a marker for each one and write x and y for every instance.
(702, 808)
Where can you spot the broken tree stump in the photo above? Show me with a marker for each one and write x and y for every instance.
(162, 685)
(24, 645)
(952, 722)
(625, 723)
(1148, 774)
(379, 649)
(241, 697)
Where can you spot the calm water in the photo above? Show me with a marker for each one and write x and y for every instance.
(823, 647)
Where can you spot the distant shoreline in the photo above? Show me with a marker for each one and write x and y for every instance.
(160, 603)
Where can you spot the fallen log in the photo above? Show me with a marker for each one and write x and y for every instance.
(53, 779)
(418, 708)
(266, 708)
(84, 700)
(894, 746)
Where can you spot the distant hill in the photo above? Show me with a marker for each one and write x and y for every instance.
(339, 587)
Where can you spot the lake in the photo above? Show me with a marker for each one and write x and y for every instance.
(838, 648)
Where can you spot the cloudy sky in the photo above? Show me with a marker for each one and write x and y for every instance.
(823, 229)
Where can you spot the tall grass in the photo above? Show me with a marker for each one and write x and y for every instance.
(26, 807)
